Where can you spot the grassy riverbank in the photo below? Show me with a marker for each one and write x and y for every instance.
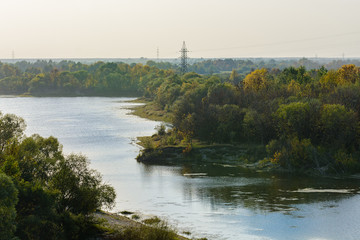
(150, 110)
(130, 226)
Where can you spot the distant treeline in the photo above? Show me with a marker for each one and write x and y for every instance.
(243, 66)
(106, 78)
(70, 78)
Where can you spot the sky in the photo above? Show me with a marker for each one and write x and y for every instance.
(210, 28)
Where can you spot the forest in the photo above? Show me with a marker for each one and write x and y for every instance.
(304, 118)
(307, 119)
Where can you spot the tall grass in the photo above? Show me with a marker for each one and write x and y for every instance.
(159, 231)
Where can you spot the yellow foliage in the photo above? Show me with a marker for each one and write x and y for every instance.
(329, 80)
(348, 74)
(256, 80)
(293, 87)
(276, 158)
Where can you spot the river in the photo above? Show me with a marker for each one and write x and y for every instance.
(220, 203)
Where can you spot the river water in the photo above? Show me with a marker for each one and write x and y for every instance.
(222, 202)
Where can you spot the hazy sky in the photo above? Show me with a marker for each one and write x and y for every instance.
(211, 28)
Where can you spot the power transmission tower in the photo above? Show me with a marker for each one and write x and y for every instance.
(157, 53)
(184, 58)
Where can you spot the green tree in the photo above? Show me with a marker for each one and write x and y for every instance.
(339, 125)
(299, 119)
(234, 77)
(8, 201)
(81, 190)
(294, 118)
(37, 158)
(11, 129)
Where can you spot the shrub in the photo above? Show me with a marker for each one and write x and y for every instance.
(157, 231)
(161, 129)
(293, 154)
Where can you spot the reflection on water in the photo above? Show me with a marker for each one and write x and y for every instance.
(276, 194)
(267, 206)
(210, 200)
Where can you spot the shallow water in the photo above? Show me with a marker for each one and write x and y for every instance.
(208, 200)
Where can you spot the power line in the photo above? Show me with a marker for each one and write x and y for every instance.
(277, 43)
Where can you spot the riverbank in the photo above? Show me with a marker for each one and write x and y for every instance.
(150, 110)
(121, 227)
(227, 159)
(76, 94)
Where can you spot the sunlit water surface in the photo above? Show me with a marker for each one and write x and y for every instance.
(231, 204)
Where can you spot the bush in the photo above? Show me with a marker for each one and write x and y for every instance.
(293, 154)
(161, 129)
(148, 143)
(346, 161)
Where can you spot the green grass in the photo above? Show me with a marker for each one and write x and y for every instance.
(151, 111)
(157, 231)
(152, 221)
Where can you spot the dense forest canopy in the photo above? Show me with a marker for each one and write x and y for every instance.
(307, 117)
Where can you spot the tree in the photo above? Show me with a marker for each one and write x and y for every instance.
(299, 119)
(257, 126)
(348, 74)
(11, 128)
(294, 118)
(8, 200)
(300, 75)
(234, 77)
(221, 94)
(37, 158)
(258, 79)
(328, 81)
(81, 190)
(294, 88)
(293, 154)
(339, 125)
